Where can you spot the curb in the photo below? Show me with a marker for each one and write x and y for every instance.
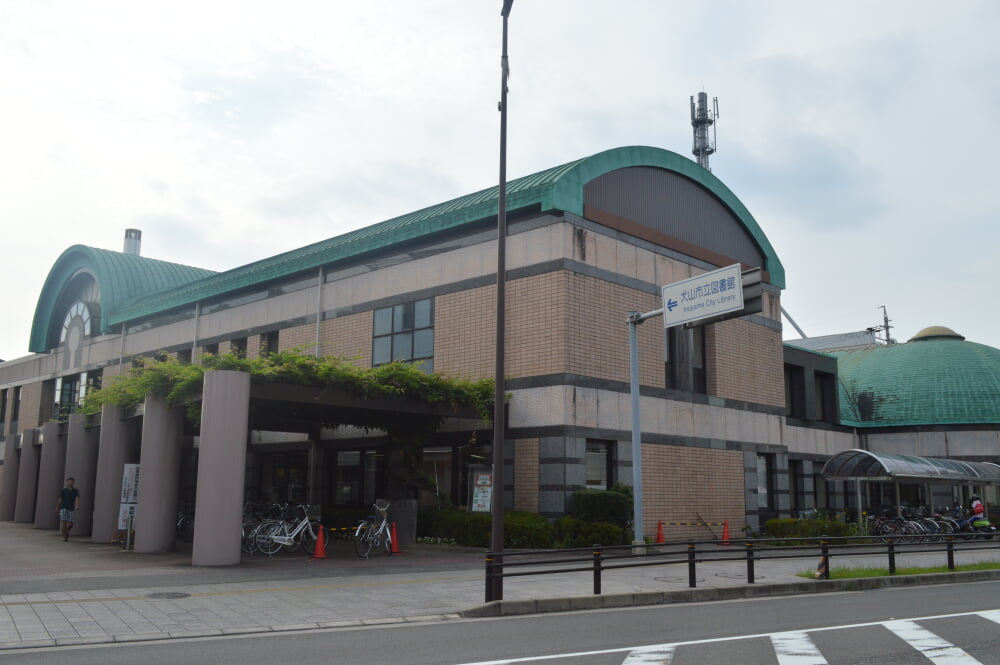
(245, 630)
(501, 608)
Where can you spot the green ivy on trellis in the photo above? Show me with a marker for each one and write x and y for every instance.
(180, 383)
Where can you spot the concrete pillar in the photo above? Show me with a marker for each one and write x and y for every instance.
(159, 474)
(27, 478)
(11, 466)
(81, 464)
(112, 449)
(50, 475)
(221, 469)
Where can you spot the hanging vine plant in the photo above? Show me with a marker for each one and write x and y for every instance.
(181, 384)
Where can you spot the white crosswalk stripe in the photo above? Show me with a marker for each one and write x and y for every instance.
(796, 648)
(790, 648)
(656, 655)
(937, 649)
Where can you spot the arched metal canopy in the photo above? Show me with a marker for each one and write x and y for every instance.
(884, 466)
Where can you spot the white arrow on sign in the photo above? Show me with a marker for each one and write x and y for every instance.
(711, 294)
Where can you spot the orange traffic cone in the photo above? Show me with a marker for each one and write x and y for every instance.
(395, 541)
(659, 532)
(725, 533)
(320, 552)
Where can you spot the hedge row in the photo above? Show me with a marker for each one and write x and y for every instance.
(785, 527)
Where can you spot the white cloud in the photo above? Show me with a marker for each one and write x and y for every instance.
(861, 135)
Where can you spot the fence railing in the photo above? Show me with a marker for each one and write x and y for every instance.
(598, 559)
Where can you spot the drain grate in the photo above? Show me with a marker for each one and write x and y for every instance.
(168, 595)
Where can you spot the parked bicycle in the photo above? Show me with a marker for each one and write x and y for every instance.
(270, 535)
(373, 533)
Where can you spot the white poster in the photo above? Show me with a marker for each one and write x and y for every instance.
(125, 511)
(130, 484)
(482, 492)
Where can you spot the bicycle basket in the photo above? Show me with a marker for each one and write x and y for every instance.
(315, 513)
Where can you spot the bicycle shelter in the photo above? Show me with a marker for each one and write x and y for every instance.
(867, 466)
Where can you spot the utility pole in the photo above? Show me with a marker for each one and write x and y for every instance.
(494, 589)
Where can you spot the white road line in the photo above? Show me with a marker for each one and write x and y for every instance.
(796, 648)
(992, 615)
(656, 655)
(988, 614)
(935, 648)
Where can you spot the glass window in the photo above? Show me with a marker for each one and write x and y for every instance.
(382, 350)
(15, 408)
(597, 464)
(423, 314)
(423, 344)
(3, 408)
(765, 481)
(404, 333)
(383, 321)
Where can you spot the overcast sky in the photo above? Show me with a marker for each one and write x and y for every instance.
(861, 135)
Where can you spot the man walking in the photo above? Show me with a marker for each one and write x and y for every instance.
(66, 506)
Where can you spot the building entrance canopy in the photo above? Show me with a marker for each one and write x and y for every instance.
(864, 464)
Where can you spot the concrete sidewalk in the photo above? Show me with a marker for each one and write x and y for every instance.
(56, 593)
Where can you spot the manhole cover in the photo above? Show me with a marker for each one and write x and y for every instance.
(168, 595)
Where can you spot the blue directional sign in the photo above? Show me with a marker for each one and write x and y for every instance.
(702, 297)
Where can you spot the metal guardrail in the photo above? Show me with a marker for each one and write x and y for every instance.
(598, 558)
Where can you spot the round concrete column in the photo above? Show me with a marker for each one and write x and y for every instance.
(50, 475)
(112, 449)
(222, 451)
(8, 485)
(159, 472)
(27, 478)
(81, 464)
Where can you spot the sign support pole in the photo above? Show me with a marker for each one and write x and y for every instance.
(634, 319)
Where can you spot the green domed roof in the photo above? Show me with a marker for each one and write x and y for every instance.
(937, 378)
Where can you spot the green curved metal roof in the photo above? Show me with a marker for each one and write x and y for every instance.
(929, 382)
(121, 277)
(557, 188)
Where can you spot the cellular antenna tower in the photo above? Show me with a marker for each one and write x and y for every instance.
(701, 120)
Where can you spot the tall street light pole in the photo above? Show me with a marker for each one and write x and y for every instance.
(496, 534)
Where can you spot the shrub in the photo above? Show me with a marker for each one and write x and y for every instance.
(785, 527)
(521, 530)
(572, 532)
(610, 506)
(527, 531)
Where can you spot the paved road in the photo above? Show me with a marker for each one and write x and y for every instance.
(56, 593)
(947, 625)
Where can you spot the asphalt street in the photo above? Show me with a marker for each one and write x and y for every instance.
(950, 624)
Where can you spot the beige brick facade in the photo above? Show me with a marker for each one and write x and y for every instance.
(744, 361)
(526, 475)
(348, 337)
(32, 398)
(682, 484)
(558, 322)
(302, 338)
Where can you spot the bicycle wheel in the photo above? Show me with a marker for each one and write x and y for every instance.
(364, 539)
(292, 546)
(388, 539)
(247, 544)
(265, 543)
(308, 537)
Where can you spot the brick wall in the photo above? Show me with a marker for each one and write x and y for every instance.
(682, 484)
(526, 475)
(348, 337)
(32, 399)
(253, 346)
(301, 337)
(598, 335)
(558, 322)
(744, 361)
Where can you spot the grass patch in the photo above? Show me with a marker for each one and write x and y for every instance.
(864, 571)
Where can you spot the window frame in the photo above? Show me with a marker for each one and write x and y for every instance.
(396, 339)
